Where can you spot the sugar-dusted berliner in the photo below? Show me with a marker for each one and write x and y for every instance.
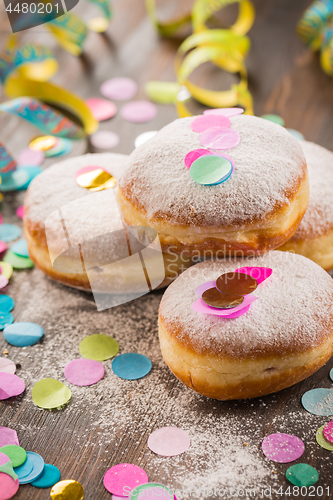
(256, 208)
(314, 236)
(77, 236)
(277, 340)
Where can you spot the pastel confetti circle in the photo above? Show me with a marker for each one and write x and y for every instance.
(9, 487)
(139, 111)
(3, 246)
(31, 157)
(274, 118)
(144, 137)
(229, 112)
(9, 232)
(6, 303)
(67, 490)
(98, 347)
(282, 448)
(16, 180)
(98, 24)
(18, 262)
(120, 89)
(331, 374)
(210, 170)
(117, 497)
(122, 478)
(25, 469)
(3, 281)
(32, 173)
(15, 453)
(49, 477)
(104, 139)
(10, 385)
(23, 333)
(169, 441)
(84, 372)
(6, 365)
(95, 179)
(38, 467)
(20, 248)
(62, 147)
(201, 123)
(320, 438)
(152, 491)
(4, 458)
(295, 133)
(5, 319)
(131, 366)
(302, 475)
(219, 138)
(8, 436)
(101, 109)
(6, 269)
(194, 155)
(319, 402)
(328, 431)
(43, 143)
(49, 393)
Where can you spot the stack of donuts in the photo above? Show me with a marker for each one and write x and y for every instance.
(243, 216)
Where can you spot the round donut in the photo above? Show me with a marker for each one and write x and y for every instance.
(314, 236)
(285, 336)
(256, 209)
(87, 215)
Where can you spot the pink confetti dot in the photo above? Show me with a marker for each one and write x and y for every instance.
(282, 448)
(6, 365)
(194, 155)
(101, 108)
(122, 478)
(20, 212)
(9, 487)
(8, 436)
(31, 157)
(229, 112)
(258, 273)
(85, 170)
(139, 111)
(328, 431)
(119, 89)
(84, 372)
(104, 139)
(3, 282)
(10, 385)
(201, 123)
(169, 441)
(219, 138)
(3, 458)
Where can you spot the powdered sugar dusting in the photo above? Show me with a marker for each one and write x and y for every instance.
(268, 163)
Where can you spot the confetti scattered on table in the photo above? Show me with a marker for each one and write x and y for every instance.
(282, 448)
(229, 112)
(6, 269)
(120, 89)
(84, 372)
(9, 232)
(169, 441)
(131, 366)
(49, 393)
(331, 374)
(138, 111)
(322, 441)
(319, 402)
(122, 478)
(5, 320)
(219, 138)
(101, 108)
(210, 169)
(203, 122)
(302, 475)
(32, 173)
(4, 458)
(49, 477)
(328, 431)
(274, 118)
(62, 147)
(25, 469)
(9, 487)
(23, 333)
(6, 303)
(295, 133)
(144, 137)
(20, 248)
(98, 347)
(7, 468)
(8, 436)
(15, 453)
(104, 139)
(17, 261)
(152, 491)
(15, 181)
(10, 385)
(38, 467)
(31, 157)
(67, 490)
(43, 143)
(6, 365)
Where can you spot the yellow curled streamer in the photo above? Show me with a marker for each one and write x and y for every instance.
(203, 10)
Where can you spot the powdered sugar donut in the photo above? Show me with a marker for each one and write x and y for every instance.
(83, 253)
(285, 335)
(314, 236)
(256, 209)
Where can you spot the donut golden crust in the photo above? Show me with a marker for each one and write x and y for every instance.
(257, 209)
(56, 188)
(314, 236)
(286, 335)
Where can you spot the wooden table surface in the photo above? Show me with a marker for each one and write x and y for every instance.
(110, 422)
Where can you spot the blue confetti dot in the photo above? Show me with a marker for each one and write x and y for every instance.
(9, 232)
(331, 374)
(319, 402)
(131, 366)
(24, 470)
(32, 172)
(20, 248)
(5, 320)
(6, 303)
(49, 477)
(15, 180)
(22, 334)
(38, 467)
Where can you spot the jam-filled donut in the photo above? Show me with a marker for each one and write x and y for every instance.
(55, 199)
(255, 207)
(278, 333)
(314, 235)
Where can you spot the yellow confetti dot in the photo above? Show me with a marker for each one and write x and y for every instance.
(96, 180)
(98, 24)
(67, 490)
(43, 143)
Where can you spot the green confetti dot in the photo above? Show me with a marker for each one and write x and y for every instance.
(15, 453)
(302, 475)
(49, 393)
(18, 262)
(7, 468)
(210, 169)
(274, 118)
(322, 441)
(98, 347)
